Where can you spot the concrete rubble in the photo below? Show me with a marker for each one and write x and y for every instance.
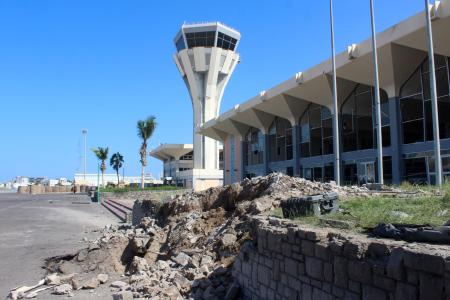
(186, 249)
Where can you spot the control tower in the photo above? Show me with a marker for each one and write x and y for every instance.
(206, 58)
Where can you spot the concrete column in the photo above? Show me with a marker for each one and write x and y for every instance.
(242, 162)
(296, 149)
(266, 153)
(396, 139)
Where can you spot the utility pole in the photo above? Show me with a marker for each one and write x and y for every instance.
(434, 104)
(84, 131)
(377, 97)
(336, 143)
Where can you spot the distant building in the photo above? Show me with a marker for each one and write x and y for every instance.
(178, 161)
(94, 179)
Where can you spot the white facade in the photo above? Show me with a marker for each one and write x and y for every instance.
(206, 58)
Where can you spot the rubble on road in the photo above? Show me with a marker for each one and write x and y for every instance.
(187, 247)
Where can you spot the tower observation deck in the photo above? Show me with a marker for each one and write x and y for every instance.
(206, 57)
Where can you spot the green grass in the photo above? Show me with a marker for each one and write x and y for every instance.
(136, 189)
(364, 213)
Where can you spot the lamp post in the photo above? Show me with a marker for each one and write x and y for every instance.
(84, 131)
(377, 97)
(434, 105)
(336, 143)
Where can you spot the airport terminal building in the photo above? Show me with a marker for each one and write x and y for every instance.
(288, 128)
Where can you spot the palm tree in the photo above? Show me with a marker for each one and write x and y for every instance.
(102, 155)
(116, 162)
(145, 131)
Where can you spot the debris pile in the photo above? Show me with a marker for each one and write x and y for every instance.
(186, 248)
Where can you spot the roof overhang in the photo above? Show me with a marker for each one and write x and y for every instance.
(400, 50)
(167, 151)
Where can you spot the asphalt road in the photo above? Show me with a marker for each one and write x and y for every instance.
(35, 227)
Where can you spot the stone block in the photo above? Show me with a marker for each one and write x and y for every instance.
(321, 295)
(291, 235)
(274, 241)
(430, 287)
(326, 287)
(354, 249)
(321, 251)
(264, 275)
(395, 268)
(268, 262)
(447, 284)
(340, 271)
(306, 292)
(378, 249)
(316, 283)
(405, 291)
(412, 276)
(338, 292)
(295, 283)
(301, 234)
(308, 248)
(286, 249)
(354, 286)
(379, 269)
(314, 267)
(291, 267)
(351, 296)
(384, 282)
(360, 271)
(315, 236)
(301, 269)
(372, 293)
(433, 264)
(328, 272)
(336, 246)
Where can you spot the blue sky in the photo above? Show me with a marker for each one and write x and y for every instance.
(103, 65)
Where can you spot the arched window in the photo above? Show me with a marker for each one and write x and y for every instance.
(254, 147)
(316, 131)
(415, 102)
(280, 140)
(358, 119)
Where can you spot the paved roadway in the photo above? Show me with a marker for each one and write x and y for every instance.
(34, 227)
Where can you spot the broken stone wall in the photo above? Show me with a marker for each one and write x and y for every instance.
(286, 261)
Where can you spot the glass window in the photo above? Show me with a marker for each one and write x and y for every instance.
(316, 131)
(200, 39)
(280, 138)
(415, 103)
(254, 143)
(328, 173)
(358, 122)
(226, 42)
(350, 174)
(415, 170)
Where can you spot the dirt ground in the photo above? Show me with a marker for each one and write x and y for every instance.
(35, 227)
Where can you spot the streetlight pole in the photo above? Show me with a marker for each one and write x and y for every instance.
(434, 105)
(336, 144)
(85, 132)
(377, 97)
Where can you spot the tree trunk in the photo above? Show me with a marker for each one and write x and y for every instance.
(142, 177)
(118, 182)
(103, 178)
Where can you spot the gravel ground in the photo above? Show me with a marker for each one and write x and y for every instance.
(35, 227)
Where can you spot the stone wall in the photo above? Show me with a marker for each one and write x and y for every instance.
(44, 189)
(286, 261)
(146, 194)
